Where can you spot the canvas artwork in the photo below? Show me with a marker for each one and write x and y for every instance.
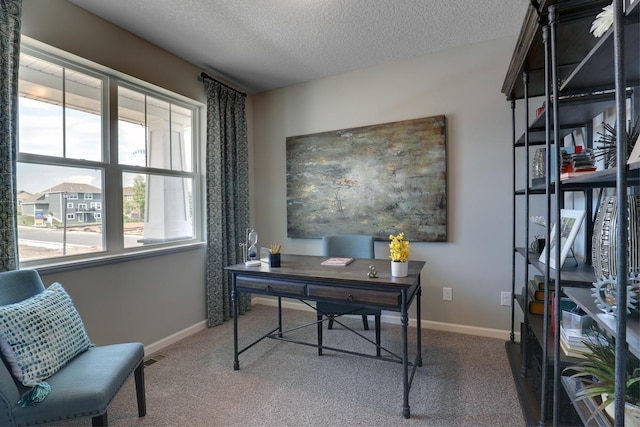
(374, 180)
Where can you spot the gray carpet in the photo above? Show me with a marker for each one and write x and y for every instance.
(465, 380)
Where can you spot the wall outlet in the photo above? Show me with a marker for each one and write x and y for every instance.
(505, 298)
(446, 294)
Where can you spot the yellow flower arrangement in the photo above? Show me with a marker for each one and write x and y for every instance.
(398, 248)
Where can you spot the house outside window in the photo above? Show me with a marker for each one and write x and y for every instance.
(65, 151)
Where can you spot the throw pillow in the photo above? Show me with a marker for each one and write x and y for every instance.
(44, 332)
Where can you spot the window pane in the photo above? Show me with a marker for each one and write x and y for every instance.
(40, 122)
(52, 98)
(53, 219)
(132, 130)
(156, 209)
(153, 133)
(83, 116)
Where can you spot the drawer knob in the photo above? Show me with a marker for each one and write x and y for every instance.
(350, 298)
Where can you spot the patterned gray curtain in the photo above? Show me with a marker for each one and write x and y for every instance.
(227, 196)
(10, 14)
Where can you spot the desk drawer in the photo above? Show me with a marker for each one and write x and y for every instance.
(356, 296)
(264, 286)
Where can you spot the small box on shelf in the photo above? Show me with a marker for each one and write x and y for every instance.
(578, 320)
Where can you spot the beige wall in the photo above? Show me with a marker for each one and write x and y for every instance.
(151, 299)
(463, 84)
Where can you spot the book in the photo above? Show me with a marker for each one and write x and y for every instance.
(537, 294)
(336, 261)
(571, 353)
(535, 307)
(567, 175)
(573, 344)
(539, 280)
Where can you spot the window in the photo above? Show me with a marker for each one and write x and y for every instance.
(65, 154)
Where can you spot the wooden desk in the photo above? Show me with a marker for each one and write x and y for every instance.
(302, 277)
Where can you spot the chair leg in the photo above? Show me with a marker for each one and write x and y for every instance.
(100, 420)
(140, 390)
(377, 317)
(365, 322)
(330, 322)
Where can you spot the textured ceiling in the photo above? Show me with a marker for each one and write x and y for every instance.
(259, 45)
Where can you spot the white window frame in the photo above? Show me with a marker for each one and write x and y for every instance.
(112, 188)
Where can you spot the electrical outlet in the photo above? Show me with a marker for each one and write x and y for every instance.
(446, 294)
(505, 298)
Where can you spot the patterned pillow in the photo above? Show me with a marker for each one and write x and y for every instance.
(44, 332)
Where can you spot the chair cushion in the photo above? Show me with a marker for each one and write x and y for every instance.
(44, 332)
(85, 386)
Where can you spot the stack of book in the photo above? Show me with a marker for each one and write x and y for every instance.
(572, 342)
(536, 295)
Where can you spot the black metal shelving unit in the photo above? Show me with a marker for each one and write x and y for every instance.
(580, 76)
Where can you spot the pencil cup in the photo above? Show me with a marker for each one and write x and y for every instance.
(274, 260)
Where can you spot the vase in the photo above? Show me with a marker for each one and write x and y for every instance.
(604, 242)
(399, 269)
(631, 412)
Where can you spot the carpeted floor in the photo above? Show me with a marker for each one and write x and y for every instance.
(465, 380)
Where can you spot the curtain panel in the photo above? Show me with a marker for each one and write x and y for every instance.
(227, 209)
(10, 16)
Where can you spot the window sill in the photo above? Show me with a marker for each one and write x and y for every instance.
(100, 260)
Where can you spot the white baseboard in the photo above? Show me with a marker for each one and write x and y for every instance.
(159, 345)
(387, 317)
(394, 318)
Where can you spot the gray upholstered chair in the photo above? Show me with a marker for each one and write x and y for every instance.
(83, 387)
(348, 246)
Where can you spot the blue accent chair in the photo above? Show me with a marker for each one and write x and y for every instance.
(82, 388)
(347, 246)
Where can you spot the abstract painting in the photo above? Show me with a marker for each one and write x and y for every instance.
(376, 180)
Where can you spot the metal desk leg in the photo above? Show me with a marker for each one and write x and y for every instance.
(234, 300)
(418, 326)
(280, 316)
(404, 319)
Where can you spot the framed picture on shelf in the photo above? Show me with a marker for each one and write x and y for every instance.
(634, 157)
(570, 222)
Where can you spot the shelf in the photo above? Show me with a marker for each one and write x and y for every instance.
(574, 113)
(601, 178)
(573, 39)
(581, 275)
(536, 324)
(596, 71)
(585, 407)
(583, 298)
(589, 180)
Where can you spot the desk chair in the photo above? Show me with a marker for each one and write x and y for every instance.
(348, 246)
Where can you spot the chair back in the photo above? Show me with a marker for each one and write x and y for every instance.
(18, 285)
(348, 246)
